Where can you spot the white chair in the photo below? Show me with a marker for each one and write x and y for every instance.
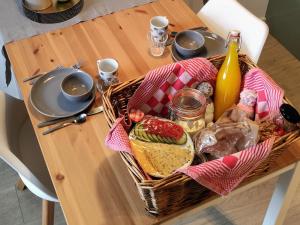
(19, 149)
(222, 16)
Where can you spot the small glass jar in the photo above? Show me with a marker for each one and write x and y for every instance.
(288, 119)
(187, 109)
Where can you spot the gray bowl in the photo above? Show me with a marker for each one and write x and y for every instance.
(189, 43)
(77, 86)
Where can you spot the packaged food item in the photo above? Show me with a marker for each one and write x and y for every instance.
(226, 138)
(244, 110)
(247, 102)
(290, 117)
(268, 128)
(161, 146)
(228, 81)
(187, 109)
(232, 115)
(136, 115)
(207, 90)
(286, 121)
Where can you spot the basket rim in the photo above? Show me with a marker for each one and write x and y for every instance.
(137, 173)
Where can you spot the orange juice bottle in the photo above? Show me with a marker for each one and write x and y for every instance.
(228, 82)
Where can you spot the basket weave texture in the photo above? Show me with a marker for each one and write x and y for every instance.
(176, 191)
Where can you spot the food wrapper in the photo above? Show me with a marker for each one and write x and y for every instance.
(233, 115)
(226, 138)
(161, 146)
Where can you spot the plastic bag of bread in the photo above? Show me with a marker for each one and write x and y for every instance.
(226, 138)
(161, 146)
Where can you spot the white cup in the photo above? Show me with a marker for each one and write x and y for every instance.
(38, 4)
(108, 70)
(159, 26)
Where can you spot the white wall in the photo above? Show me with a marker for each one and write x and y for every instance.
(257, 7)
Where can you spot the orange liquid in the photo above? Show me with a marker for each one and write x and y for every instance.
(228, 82)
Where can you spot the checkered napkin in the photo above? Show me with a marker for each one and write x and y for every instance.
(153, 97)
(269, 94)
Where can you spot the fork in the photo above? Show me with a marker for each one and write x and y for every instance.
(78, 64)
(75, 66)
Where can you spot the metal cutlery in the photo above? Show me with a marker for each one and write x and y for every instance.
(32, 78)
(45, 123)
(173, 34)
(40, 74)
(78, 120)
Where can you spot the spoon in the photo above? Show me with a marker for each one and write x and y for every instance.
(78, 119)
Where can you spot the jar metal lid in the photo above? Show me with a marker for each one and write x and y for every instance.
(289, 113)
(188, 102)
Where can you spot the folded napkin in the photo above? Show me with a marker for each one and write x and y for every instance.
(153, 97)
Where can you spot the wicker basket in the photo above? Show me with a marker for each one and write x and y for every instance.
(176, 191)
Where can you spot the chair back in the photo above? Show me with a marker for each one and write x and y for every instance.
(13, 114)
(222, 16)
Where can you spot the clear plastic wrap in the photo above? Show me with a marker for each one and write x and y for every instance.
(161, 146)
(226, 138)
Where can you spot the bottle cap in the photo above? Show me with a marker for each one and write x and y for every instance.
(289, 113)
(235, 33)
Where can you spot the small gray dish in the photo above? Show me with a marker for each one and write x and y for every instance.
(47, 98)
(77, 86)
(214, 45)
(189, 42)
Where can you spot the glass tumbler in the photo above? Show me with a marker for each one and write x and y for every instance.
(157, 44)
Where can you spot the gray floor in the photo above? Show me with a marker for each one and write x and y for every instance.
(20, 207)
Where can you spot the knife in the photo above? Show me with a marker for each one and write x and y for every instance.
(40, 74)
(45, 123)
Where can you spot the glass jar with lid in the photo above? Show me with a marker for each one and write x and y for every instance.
(187, 109)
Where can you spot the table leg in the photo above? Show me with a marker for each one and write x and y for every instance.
(47, 212)
(282, 196)
(20, 185)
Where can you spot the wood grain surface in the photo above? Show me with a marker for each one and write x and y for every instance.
(92, 182)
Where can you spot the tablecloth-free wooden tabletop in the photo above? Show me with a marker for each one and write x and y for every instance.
(92, 182)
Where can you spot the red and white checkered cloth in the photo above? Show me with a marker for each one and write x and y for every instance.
(224, 174)
(160, 85)
(269, 94)
(154, 95)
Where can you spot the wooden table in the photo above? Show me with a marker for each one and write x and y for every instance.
(91, 181)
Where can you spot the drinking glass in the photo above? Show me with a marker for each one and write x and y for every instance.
(157, 44)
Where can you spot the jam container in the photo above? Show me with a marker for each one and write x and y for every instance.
(290, 117)
(187, 109)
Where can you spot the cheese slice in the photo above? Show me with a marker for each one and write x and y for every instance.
(161, 160)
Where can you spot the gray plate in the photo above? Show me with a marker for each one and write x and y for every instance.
(214, 45)
(46, 96)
